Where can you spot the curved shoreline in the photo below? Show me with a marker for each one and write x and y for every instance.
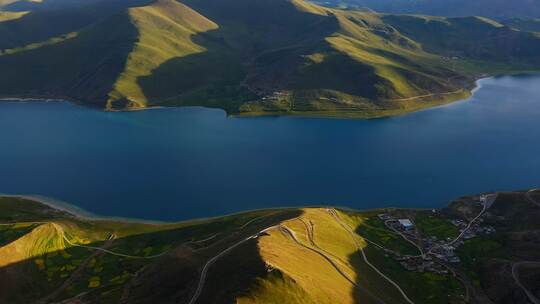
(202, 215)
(53, 203)
(374, 114)
(76, 211)
(82, 214)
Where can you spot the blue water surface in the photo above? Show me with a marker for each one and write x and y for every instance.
(180, 163)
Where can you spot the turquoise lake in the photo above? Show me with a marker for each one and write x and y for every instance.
(181, 163)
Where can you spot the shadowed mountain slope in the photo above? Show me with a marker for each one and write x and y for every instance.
(530, 25)
(271, 256)
(253, 57)
(309, 255)
(165, 30)
(499, 9)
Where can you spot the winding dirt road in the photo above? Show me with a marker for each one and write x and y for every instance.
(515, 275)
(292, 235)
(61, 232)
(75, 275)
(426, 95)
(529, 197)
(361, 248)
(287, 231)
(488, 203)
(311, 238)
(206, 267)
(422, 254)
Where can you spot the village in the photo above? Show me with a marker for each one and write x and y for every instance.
(435, 255)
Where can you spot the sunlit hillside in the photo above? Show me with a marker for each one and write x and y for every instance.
(252, 57)
(311, 255)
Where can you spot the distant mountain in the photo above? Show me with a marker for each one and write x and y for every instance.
(250, 56)
(531, 25)
(498, 9)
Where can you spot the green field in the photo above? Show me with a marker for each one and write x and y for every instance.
(374, 229)
(426, 287)
(474, 251)
(435, 225)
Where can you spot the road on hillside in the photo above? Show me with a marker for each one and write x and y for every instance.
(426, 95)
(206, 267)
(487, 204)
(529, 197)
(422, 254)
(359, 247)
(292, 235)
(61, 232)
(515, 275)
(311, 237)
(75, 275)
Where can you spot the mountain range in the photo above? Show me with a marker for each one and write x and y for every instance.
(250, 57)
(498, 9)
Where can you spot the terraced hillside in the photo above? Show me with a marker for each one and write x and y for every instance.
(309, 255)
(251, 57)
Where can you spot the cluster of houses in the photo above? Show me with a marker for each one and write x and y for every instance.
(476, 229)
(450, 58)
(277, 95)
(422, 264)
(445, 251)
(403, 224)
(418, 263)
(435, 250)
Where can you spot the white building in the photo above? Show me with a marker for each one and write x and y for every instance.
(406, 224)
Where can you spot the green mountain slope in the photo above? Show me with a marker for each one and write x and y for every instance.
(297, 256)
(83, 67)
(499, 9)
(469, 37)
(165, 31)
(307, 255)
(254, 57)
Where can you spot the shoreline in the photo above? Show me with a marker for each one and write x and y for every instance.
(21, 99)
(81, 214)
(368, 115)
(357, 115)
(53, 203)
(378, 114)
